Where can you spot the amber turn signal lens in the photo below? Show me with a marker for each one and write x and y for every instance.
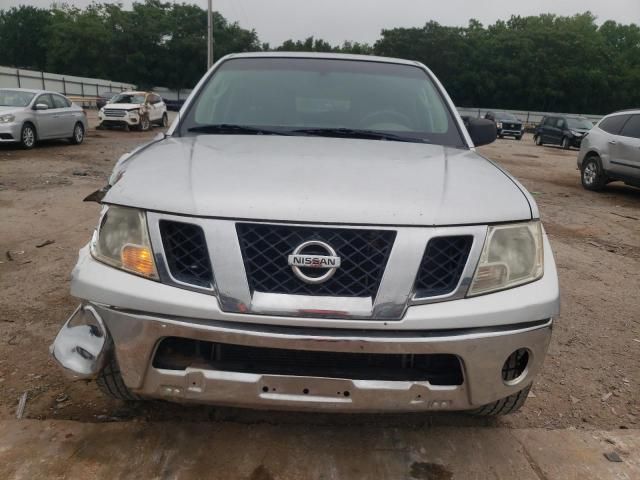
(138, 259)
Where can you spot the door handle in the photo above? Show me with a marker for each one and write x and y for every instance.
(612, 142)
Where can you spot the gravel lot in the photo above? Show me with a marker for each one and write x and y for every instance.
(591, 377)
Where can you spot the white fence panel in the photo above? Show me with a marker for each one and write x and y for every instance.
(87, 88)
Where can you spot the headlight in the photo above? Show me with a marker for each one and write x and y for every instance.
(499, 125)
(512, 255)
(122, 241)
(7, 118)
(577, 134)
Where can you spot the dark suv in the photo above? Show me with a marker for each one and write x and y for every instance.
(507, 124)
(563, 130)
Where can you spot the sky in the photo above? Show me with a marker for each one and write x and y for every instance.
(362, 20)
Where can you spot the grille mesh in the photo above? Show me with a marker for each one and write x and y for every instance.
(113, 112)
(181, 353)
(265, 250)
(442, 264)
(186, 251)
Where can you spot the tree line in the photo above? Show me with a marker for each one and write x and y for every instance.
(545, 62)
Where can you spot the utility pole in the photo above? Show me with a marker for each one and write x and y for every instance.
(209, 35)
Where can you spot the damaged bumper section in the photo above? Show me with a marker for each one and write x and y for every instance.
(248, 365)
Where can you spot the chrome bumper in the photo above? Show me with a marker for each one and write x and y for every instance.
(133, 338)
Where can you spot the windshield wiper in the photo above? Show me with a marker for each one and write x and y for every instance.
(357, 133)
(227, 128)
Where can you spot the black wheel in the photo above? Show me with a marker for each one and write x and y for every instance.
(500, 136)
(518, 137)
(538, 140)
(592, 174)
(78, 134)
(165, 120)
(566, 144)
(145, 124)
(111, 384)
(507, 405)
(28, 136)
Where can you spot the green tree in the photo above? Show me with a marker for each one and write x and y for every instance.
(23, 37)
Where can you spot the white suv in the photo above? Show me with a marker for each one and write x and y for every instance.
(134, 109)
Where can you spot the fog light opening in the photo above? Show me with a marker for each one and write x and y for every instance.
(516, 366)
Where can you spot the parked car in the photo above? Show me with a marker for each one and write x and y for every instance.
(316, 232)
(104, 98)
(28, 116)
(507, 124)
(611, 151)
(139, 110)
(566, 131)
(174, 105)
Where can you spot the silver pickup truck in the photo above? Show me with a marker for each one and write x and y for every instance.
(315, 232)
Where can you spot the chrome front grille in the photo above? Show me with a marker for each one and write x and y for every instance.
(113, 112)
(364, 254)
(382, 272)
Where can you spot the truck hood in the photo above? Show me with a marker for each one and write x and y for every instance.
(318, 180)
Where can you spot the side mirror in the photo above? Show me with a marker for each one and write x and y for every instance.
(41, 106)
(481, 131)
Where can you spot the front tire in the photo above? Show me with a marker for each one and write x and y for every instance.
(518, 137)
(538, 140)
(592, 173)
(165, 121)
(111, 384)
(507, 405)
(78, 134)
(28, 136)
(566, 144)
(145, 124)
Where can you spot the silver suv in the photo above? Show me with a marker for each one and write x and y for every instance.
(315, 232)
(611, 151)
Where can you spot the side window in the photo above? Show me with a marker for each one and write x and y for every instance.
(60, 102)
(613, 124)
(632, 127)
(156, 99)
(549, 121)
(560, 123)
(46, 99)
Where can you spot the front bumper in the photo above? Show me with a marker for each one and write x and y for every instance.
(128, 316)
(10, 132)
(109, 121)
(510, 133)
(133, 338)
(576, 141)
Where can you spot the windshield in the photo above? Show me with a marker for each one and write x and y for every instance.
(15, 98)
(302, 96)
(579, 123)
(506, 117)
(128, 98)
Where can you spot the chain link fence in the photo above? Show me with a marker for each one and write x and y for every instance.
(530, 119)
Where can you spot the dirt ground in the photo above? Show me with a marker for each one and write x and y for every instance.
(591, 377)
